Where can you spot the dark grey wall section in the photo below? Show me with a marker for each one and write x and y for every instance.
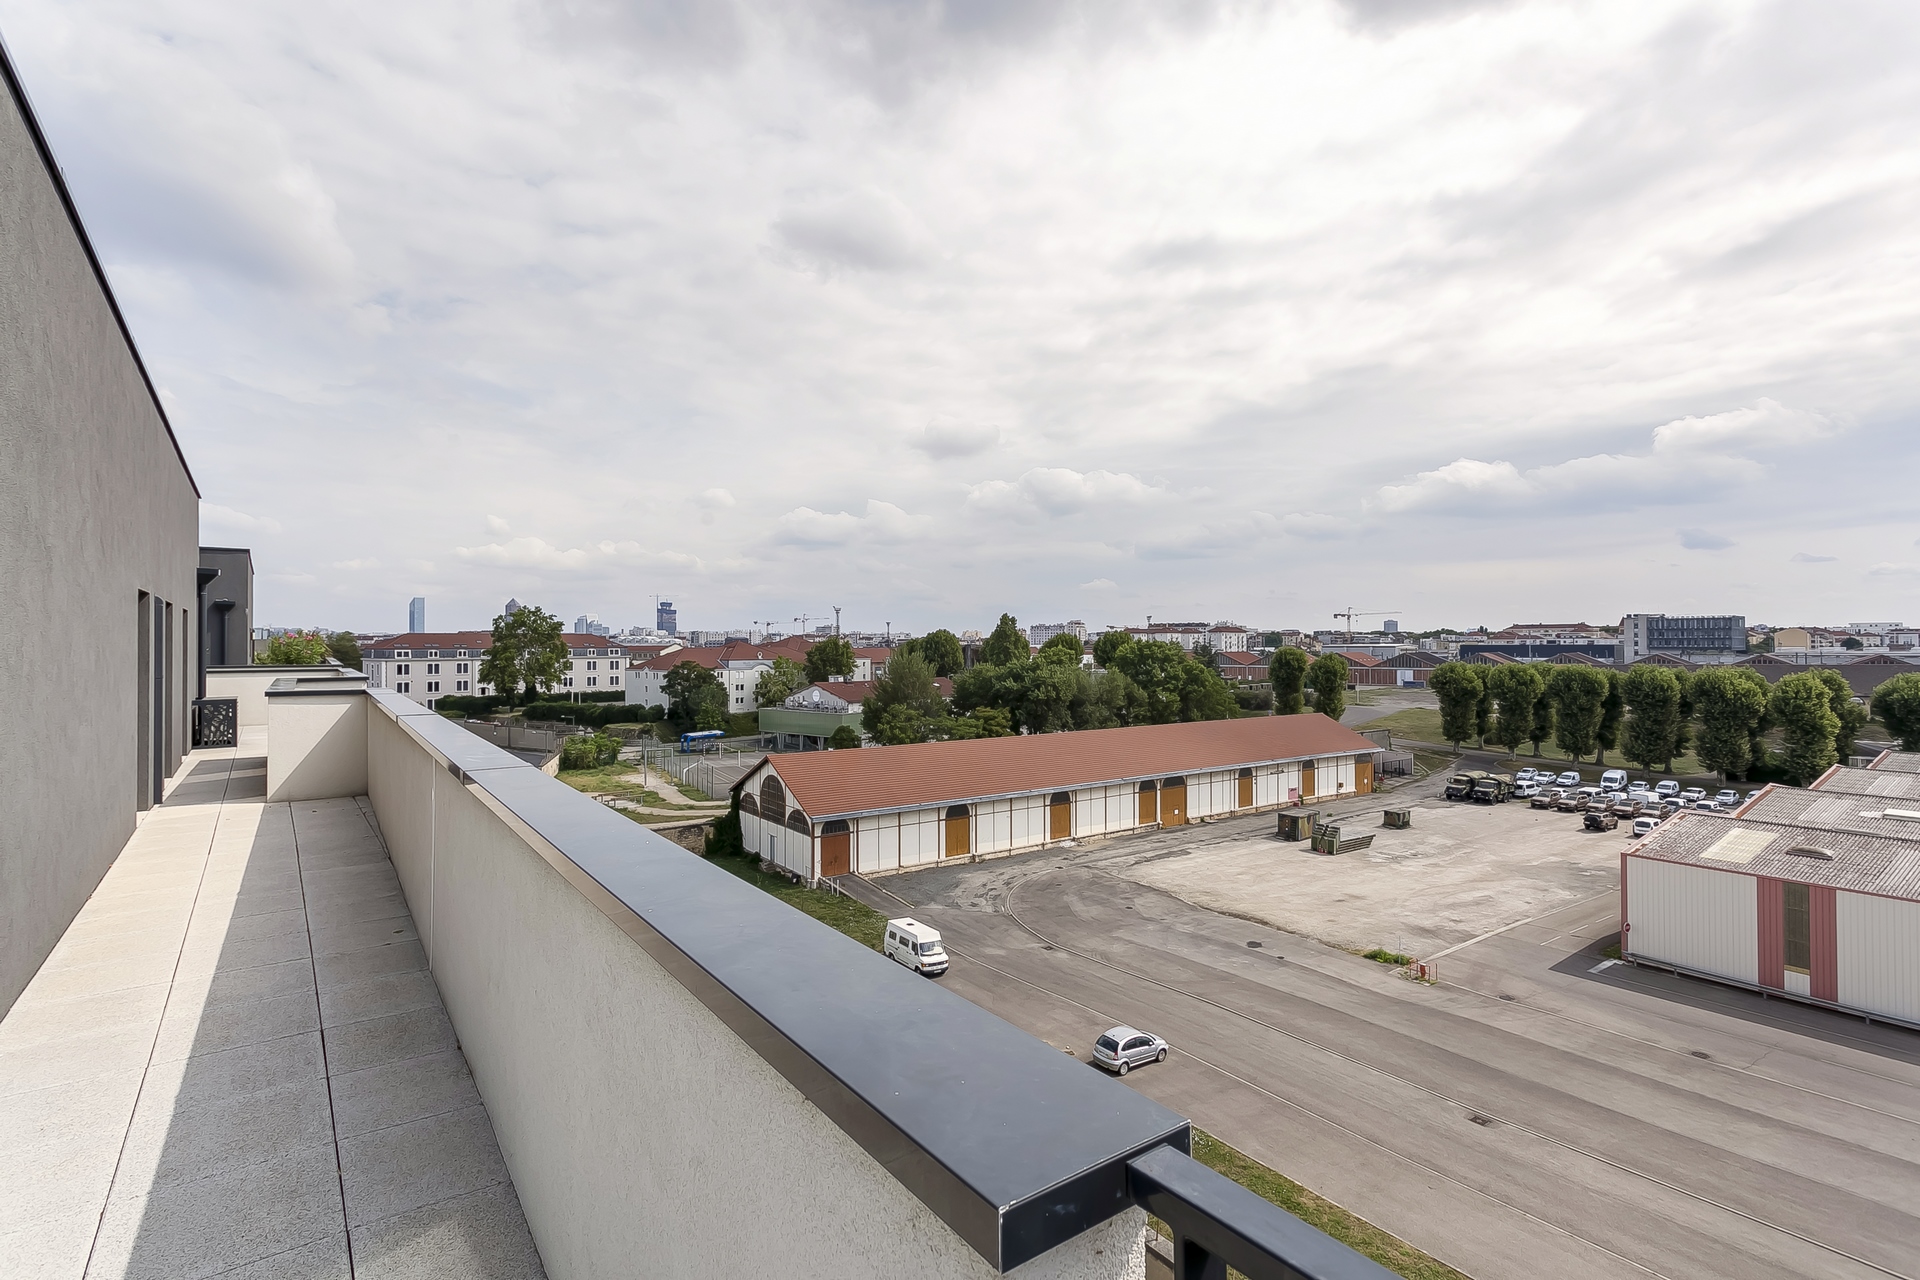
(96, 507)
(229, 634)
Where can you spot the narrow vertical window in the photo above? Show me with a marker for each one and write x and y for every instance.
(1798, 928)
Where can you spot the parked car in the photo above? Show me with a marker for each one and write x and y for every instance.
(1601, 820)
(1727, 799)
(1525, 776)
(1692, 794)
(1670, 806)
(1123, 1048)
(1545, 799)
(1644, 826)
(916, 946)
(1752, 794)
(1627, 806)
(1706, 805)
(1525, 790)
(1571, 778)
(1667, 788)
(1613, 779)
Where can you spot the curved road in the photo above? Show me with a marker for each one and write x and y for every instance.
(1526, 1117)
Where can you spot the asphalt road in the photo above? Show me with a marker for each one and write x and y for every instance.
(1525, 1117)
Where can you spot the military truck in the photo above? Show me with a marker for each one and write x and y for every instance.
(1493, 788)
(1460, 786)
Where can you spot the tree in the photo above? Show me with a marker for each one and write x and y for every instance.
(908, 683)
(345, 649)
(528, 654)
(294, 649)
(899, 726)
(1579, 700)
(1729, 707)
(1328, 678)
(1851, 714)
(830, 656)
(1801, 706)
(981, 722)
(1683, 730)
(1483, 712)
(941, 649)
(1852, 643)
(1107, 646)
(1653, 722)
(1757, 731)
(1542, 727)
(1897, 706)
(1612, 710)
(1516, 689)
(843, 737)
(692, 691)
(778, 683)
(1458, 686)
(1064, 649)
(1007, 644)
(1287, 669)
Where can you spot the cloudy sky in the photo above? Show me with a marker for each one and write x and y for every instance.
(1476, 313)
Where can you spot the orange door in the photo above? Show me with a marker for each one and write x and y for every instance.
(1306, 779)
(959, 832)
(1245, 799)
(1149, 805)
(1363, 776)
(1173, 802)
(1059, 818)
(836, 854)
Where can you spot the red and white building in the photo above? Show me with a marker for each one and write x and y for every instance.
(1811, 894)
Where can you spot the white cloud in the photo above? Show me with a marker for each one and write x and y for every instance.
(526, 553)
(716, 499)
(882, 522)
(1802, 557)
(1767, 424)
(1703, 540)
(496, 525)
(956, 439)
(226, 518)
(355, 565)
(1059, 491)
(1099, 584)
(1887, 569)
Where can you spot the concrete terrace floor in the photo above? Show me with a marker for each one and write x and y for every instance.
(235, 1063)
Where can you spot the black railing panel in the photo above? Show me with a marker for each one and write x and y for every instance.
(216, 722)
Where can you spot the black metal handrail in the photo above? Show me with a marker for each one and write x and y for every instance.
(1217, 1223)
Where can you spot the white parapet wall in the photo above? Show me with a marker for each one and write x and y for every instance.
(316, 738)
(645, 1136)
(248, 686)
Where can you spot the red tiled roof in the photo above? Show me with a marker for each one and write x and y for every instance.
(1360, 659)
(1242, 658)
(829, 784)
(856, 691)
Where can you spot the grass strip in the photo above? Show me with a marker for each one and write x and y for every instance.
(855, 919)
(1356, 1233)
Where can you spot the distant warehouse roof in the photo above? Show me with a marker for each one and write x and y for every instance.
(834, 783)
(1882, 864)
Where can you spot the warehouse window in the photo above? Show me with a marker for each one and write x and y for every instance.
(1799, 932)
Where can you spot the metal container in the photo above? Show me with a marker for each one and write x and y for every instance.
(1297, 824)
(1398, 819)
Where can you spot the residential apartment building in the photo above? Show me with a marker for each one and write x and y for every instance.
(1642, 634)
(1224, 637)
(738, 666)
(1041, 632)
(427, 666)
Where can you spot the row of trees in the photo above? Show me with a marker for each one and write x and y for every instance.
(1654, 715)
(1292, 675)
(1013, 690)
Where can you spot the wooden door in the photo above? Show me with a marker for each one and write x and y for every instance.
(959, 832)
(836, 854)
(1173, 802)
(1306, 779)
(1149, 805)
(1245, 799)
(1363, 777)
(1060, 817)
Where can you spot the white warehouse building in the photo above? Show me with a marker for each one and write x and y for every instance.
(1810, 894)
(883, 809)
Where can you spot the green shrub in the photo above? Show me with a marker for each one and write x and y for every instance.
(723, 837)
(1385, 956)
(843, 737)
(468, 706)
(588, 714)
(589, 751)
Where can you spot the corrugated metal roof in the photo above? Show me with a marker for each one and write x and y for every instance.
(1838, 811)
(1879, 783)
(1898, 762)
(827, 784)
(1859, 862)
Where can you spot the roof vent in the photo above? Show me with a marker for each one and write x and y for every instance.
(1904, 815)
(1811, 851)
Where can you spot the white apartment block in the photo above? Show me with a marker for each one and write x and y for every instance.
(1041, 632)
(738, 666)
(1225, 637)
(427, 666)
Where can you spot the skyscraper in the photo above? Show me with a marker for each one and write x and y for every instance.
(417, 615)
(666, 618)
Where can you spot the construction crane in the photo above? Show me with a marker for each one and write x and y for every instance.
(1351, 613)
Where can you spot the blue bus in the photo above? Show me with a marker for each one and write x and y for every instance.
(704, 740)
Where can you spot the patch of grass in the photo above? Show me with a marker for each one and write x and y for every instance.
(1384, 956)
(1611, 952)
(611, 780)
(1427, 762)
(855, 919)
(1351, 1230)
(694, 793)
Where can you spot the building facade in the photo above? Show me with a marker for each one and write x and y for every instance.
(1642, 634)
(99, 557)
(882, 809)
(1041, 632)
(417, 615)
(226, 606)
(666, 619)
(428, 666)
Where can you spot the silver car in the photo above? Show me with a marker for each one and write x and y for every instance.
(1124, 1048)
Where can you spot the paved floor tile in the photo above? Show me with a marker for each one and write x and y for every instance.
(400, 1092)
(481, 1235)
(396, 1170)
(356, 966)
(378, 1041)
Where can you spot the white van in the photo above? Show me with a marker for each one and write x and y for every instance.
(1614, 780)
(916, 946)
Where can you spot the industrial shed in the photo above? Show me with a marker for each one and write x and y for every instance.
(886, 809)
(1813, 894)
